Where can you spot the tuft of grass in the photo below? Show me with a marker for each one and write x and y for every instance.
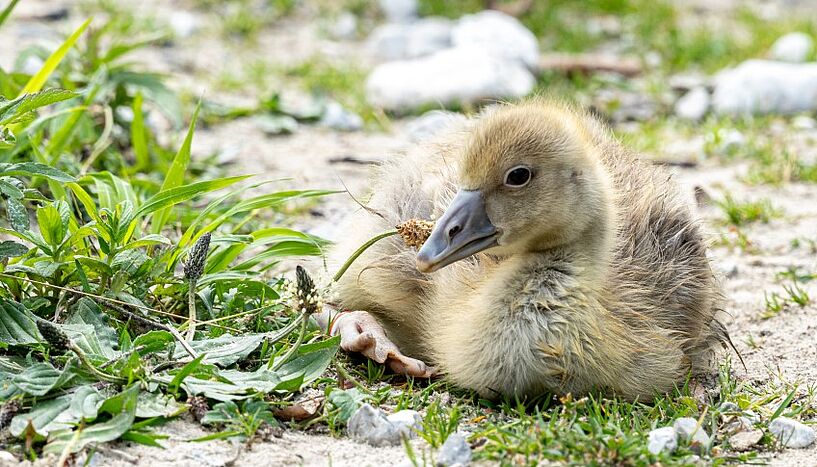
(739, 213)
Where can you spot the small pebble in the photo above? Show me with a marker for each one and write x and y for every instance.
(745, 440)
(696, 436)
(455, 451)
(791, 433)
(662, 439)
(344, 27)
(338, 118)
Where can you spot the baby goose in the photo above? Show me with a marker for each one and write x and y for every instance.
(558, 263)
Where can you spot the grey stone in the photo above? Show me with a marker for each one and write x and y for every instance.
(276, 124)
(432, 123)
(406, 422)
(662, 439)
(371, 426)
(455, 451)
(693, 105)
(695, 435)
(456, 75)
(499, 34)
(402, 41)
(338, 118)
(793, 47)
(745, 440)
(757, 87)
(791, 433)
(344, 27)
(399, 11)
(750, 414)
(183, 23)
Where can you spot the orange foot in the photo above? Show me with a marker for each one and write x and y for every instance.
(361, 332)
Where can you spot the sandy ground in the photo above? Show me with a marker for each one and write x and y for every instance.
(785, 346)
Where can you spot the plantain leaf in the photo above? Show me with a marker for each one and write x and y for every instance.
(10, 249)
(52, 228)
(122, 407)
(40, 378)
(154, 404)
(311, 360)
(224, 350)
(32, 169)
(45, 417)
(17, 214)
(16, 324)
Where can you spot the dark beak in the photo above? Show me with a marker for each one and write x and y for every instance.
(463, 230)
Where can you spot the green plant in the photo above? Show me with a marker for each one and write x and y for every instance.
(740, 213)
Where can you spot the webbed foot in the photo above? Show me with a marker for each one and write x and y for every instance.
(361, 332)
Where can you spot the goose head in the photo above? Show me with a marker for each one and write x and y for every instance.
(529, 180)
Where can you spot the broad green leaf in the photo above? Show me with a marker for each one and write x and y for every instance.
(311, 360)
(10, 189)
(88, 313)
(51, 227)
(33, 169)
(85, 199)
(123, 409)
(20, 111)
(224, 350)
(86, 338)
(40, 378)
(38, 80)
(46, 416)
(10, 249)
(347, 401)
(153, 341)
(146, 438)
(17, 215)
(85, 403)
(173, 196)
(17, 326)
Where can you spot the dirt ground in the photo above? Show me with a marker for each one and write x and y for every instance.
(784, 347)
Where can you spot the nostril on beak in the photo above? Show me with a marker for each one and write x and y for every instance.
(453, 231)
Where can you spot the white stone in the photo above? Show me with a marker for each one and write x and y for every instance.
(338, 118)
(693, 105)
(183, 23)
(793, 47)
(766, 87)
(457, 75)
(455, 451)
(6, 456)
(371, 426)
(662, 439)
(497, 33)
(696, 436)
(344, 27)
(730, 140)
(406, 423)
(401, 41)
(432, 123)
(399, 11)
(791, 433)
(804, 122)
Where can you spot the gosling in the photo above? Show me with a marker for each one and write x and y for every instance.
(558, 263)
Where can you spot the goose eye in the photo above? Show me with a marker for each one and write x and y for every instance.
(517, 177)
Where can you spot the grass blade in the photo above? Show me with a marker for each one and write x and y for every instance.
(7, 11)
(38, 80)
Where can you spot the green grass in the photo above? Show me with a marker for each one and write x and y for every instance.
(739, 213)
